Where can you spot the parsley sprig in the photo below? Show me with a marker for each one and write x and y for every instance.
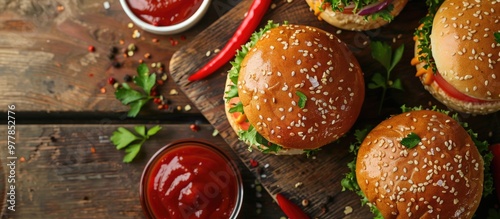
(134, 98)
(122, 138)
(497, 37)
(382, 52)
(411, 140)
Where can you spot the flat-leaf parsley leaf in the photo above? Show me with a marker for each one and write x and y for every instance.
(410, 141)
(122, 138)
(134, 98)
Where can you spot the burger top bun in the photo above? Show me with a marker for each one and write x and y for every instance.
(442, 177)
(300, 87)
(352, 21)
(464, 47)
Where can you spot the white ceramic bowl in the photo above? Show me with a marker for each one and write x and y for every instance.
(167, 30)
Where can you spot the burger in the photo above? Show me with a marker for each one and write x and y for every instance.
(293, 89)
(457, 55)
(421, 164)
(357, 14)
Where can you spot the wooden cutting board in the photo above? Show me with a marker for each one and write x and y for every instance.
(320, 175)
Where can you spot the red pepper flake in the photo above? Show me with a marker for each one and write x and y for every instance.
(160, 82)
(103, 90)
(91, 48)
(194, 127)
(147, 55)
(91, 75)
(254, 163)
(60, 8)
(155, 40)
(22, 159)
(183, 37)
(92, 150)
(173, 42)
(111, 80)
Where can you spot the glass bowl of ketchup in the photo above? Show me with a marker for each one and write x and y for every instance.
(166, 16)
(191, 179)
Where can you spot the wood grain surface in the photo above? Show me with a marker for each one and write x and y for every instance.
(320, 176)
(73, 171)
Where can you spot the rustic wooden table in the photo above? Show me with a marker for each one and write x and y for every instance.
(65, 109)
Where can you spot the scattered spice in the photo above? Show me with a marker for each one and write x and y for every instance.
(173, 92)
(183, 37)
(22, 159)
(298, 184)
(164, 77)
(127, 78)
(116, 64)
(254, 163)
(157, 100)
(111, 80)
(136, 34)
(91, 49)
(173, 41)
(106, 5)
(103, 90)
(155, 40)
(194, 127)
(92, 149)
(347, 210)
(60, 8)
(305, 202)
(147, 55)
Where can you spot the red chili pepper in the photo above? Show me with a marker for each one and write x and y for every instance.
(495, 166)
(240, 37)
(289, 208)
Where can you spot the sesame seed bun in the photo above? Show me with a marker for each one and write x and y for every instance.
(442, 177)
(466, 54)
(352, 21)
(293, 60)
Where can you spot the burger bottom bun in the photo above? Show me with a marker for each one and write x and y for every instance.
(353, 21)
(237, 128)
(455, 104)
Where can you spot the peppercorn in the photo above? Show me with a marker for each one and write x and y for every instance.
(253, 163)
(305, 202)
(111, 80)
(116, 64)
(127, 78)
(194, 127)
(157, 100)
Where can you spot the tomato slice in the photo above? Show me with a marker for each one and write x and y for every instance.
(452, 91)
(243, 125)
(348, 10)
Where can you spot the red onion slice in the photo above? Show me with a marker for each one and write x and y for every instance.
(374, 7)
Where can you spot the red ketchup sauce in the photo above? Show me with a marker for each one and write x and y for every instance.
(191, 180)
(164, 12)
